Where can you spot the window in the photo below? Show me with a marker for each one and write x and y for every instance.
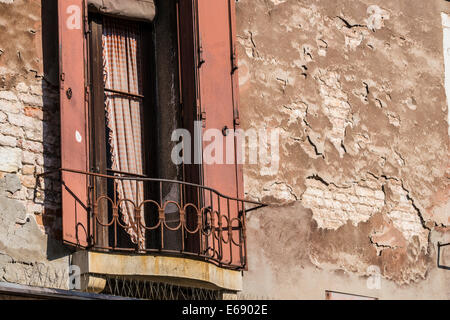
(121, 112)
(109, 61)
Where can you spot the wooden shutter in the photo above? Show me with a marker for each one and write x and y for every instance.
(216, 84)
(209, 79)
(210, 91)
(74, 138)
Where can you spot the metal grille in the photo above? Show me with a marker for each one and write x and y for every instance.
(148, 290)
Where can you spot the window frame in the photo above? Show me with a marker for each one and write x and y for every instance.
(75, 46)
(97, 120)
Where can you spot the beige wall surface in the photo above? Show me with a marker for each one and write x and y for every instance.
(362, 189)
(361, 195)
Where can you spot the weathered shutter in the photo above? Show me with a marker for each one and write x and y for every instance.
(218, 105)
(216, 85)
(210, 94)
(74, 138)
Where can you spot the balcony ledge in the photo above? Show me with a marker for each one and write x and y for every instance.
(96, 266)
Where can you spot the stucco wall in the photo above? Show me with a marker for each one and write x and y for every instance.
(31, 251)
(357, 91)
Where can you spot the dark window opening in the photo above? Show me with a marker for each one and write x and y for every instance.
(131, 123)
(123, 97)
(119, 115)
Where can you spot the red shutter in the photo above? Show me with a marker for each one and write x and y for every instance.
(210, 92)
(235, 83)
(74, 138)
(217, 98)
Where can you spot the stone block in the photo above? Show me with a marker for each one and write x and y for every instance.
(28, 181)
(31, 99)
(8, 95)
(10, 106)
(28, 169)
(8, 141)
(11, 130)
(12, 183)
(10, 159)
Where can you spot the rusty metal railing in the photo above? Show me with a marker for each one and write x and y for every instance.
(161, 216)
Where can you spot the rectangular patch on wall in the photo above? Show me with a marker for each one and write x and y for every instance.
(446, 41)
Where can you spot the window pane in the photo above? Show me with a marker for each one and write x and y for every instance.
(124, 111)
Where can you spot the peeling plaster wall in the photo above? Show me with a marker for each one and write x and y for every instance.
(31, 251)
(357, 90)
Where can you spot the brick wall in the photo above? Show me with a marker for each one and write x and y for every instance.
(30, 217)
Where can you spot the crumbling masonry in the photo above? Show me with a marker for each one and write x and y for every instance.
(357, 89)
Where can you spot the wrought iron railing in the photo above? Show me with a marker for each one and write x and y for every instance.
(141, 215)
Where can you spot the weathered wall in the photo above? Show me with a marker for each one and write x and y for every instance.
(31, 251)
(357, 90)
(30, 222)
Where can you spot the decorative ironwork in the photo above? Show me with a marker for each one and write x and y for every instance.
(149, 290)
(174, 218)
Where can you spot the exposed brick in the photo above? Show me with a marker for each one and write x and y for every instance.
(28, 169)
(8, 95)
(28, 181)
(40, 160)
(356, 203)
(335, 106)
(28, 157)
(38, 218)
(34, 112)
(403, 214)
(36, 90)
(31, 195)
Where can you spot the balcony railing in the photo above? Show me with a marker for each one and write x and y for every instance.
(141, 215)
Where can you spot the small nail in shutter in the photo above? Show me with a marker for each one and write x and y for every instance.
(73, 121)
